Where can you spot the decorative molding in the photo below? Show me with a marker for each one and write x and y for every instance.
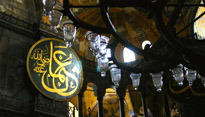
(16, 24)
(41, 106)
(15, 105)
(49, 107)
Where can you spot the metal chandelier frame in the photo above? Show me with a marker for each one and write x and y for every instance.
(177, 51)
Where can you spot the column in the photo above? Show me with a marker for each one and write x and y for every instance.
(121, 95)
(166, 105)
(80, 105)
(80, 97)
(144, 104)
(100, 95)
(143, 90)
(100, 106)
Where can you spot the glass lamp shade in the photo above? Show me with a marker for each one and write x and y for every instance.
(55, 19)
(202, 80)
(191, 76)
(135, 80)
(103, 45)
(157, 80)
(93, 41)
(69, 32)
(178, 74)
(103, 65)
(48, 6)
(115, 75)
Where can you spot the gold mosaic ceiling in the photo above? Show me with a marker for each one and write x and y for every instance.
(131, 23)
(135, 28)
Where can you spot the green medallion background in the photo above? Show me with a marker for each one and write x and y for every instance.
(54, 69)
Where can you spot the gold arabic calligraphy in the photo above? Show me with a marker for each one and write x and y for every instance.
(63, 82)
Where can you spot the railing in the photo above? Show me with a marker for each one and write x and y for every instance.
(13, 104)
(17, 18)
(42, 106)
(13, 20)
(12, 8)
(54, 108)
(16, 24)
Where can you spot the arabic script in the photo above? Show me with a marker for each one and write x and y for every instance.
(55, 69)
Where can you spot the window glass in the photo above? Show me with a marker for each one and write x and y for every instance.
(144, 43)
(128, 55)
(199, 25)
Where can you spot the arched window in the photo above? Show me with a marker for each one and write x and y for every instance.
(128, 55)
(144, 43)
(199, 25)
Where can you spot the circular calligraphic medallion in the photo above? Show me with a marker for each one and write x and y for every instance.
(54, 69)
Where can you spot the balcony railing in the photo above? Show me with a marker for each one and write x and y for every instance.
(54, 108)
(15, 105)
(42, 105)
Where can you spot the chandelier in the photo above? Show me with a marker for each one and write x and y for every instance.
(183, 56)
